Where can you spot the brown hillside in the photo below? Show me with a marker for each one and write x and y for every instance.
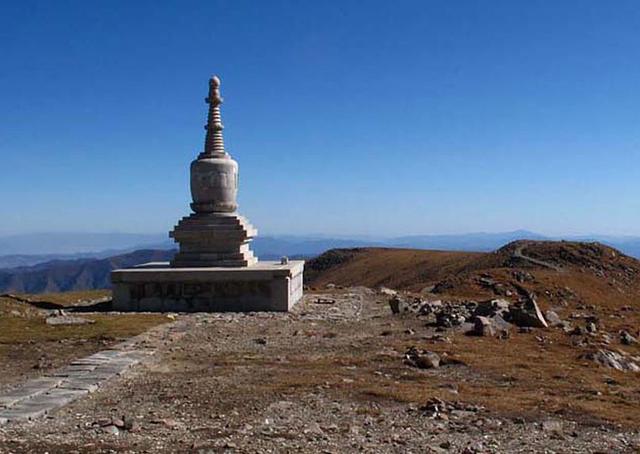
(394, 268)
(416, 270)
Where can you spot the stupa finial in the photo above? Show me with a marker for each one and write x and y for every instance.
(214, 142)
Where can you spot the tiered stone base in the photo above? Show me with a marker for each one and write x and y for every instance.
(213, 240)
(156, 287)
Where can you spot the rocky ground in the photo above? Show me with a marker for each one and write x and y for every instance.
(343, 373)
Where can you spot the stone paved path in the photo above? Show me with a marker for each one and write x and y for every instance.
(40, 396)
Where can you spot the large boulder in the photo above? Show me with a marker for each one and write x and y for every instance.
(527, 314)
(490, 326)
(483, 326)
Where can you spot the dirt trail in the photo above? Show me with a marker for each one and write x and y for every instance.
(520, 255)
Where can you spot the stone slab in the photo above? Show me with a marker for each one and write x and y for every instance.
(81, 367)
(53, 400)
(23, 412)
(90, 385)
(29, 390)
(154, 287)
(69, 373)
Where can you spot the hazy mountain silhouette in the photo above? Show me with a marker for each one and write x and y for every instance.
(81, 274)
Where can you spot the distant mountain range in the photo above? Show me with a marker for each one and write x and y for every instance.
(31, 249)
(83, 261)
(80, 274)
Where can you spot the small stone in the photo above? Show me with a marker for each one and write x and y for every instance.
(128, 423)
(577, 331)
(627, 339)
(111, 429)
(552, 426)
(119, 423)
(422, 359)
(57, 320)
(102, 422)
(397, 305)
(388, 291)
(553, 318)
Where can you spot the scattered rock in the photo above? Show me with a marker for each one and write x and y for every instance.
(436, 407)
(612, 359)
(324, 301)
(111, 429)
(551, 425)
(578, 331)
(169, 423)
(627, 339)
(553, 319)
(493, 307)
(422, 359)
(388, 291)
(397, 305)
(128, 423)
(59, 317)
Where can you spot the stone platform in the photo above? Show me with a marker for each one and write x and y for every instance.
(156, 287)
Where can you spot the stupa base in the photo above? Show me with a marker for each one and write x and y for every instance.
(157, 287)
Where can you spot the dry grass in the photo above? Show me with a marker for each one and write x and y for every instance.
(69, 298)
(18, 330)
(28, 346)
(395, 268)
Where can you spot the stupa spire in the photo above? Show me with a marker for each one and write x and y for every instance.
(214, 142)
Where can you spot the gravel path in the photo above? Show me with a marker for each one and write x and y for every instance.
(327, 377)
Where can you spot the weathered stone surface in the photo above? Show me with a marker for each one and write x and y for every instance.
(28, 390)
(83, 384)
(213, 243)
(210, 240)
(266, 286)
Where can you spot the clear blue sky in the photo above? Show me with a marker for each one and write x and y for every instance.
(347, 117)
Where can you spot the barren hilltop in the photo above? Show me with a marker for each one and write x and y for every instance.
(533, 347)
